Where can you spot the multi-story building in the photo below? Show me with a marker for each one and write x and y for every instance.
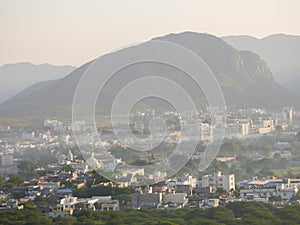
(287, 113)
(237, 129)
(266, 122)
(106, 203)
(113, 205)
(68, 203)
(269, 187)
(218, 180)
(285, 192)
(266, 125)
(53, 124)
(205, 132)
(6, 160)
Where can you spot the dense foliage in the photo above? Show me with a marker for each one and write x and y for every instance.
(234, 213)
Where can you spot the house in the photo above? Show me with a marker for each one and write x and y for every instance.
(183, 188)
(203, 193)
(64, 208)
(106, 203)
(209, 203)
(112, 205)
(283, 145)
(140, 199)
(175, 198)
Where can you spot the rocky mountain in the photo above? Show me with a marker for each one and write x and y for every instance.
(245, 79)
(17, 77)
(280, 51)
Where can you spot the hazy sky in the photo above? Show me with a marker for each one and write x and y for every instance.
(76, 31)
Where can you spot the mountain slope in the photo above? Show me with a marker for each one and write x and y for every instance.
(245, 80)
(281, 52)
(16, 77)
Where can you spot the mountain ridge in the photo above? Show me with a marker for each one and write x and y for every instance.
(280, 51)
(15, 77)
(245, 80)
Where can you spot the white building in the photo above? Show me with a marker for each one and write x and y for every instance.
(53, 124)
(286, 154)
(285, 192)
(237, 129)
(205, 132)
(78, 125)
(67, 204)
(70, 156)
(266, 125)
(209, 203)
(218, 180)
(287, 113)
(283, 145)
(106, 202)
(6, 160)
(93, 163)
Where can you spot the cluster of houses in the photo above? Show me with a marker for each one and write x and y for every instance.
(184, 191)
(269, 189)
(211, 190)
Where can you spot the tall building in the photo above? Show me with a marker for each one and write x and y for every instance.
(205, 132)
(70, 156)
(287, 113)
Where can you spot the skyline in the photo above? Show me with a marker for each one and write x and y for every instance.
(72, 33)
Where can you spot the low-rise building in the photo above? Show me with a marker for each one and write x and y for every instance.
(282, 191)
(209, 203)
(67, 203)
(255, 189)
(140, 199)
(175, 198)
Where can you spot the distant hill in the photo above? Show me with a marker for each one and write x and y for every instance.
(16, 77)
(245, 80)
(280, 51)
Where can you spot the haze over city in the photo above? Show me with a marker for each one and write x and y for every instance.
(192, 118)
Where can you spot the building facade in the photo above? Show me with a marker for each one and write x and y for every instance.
(218, 180)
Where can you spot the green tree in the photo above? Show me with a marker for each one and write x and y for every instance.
(229, 148)
(277, 156)
(67, 168)
(250, 171)
(14, 181)
(221, 191)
